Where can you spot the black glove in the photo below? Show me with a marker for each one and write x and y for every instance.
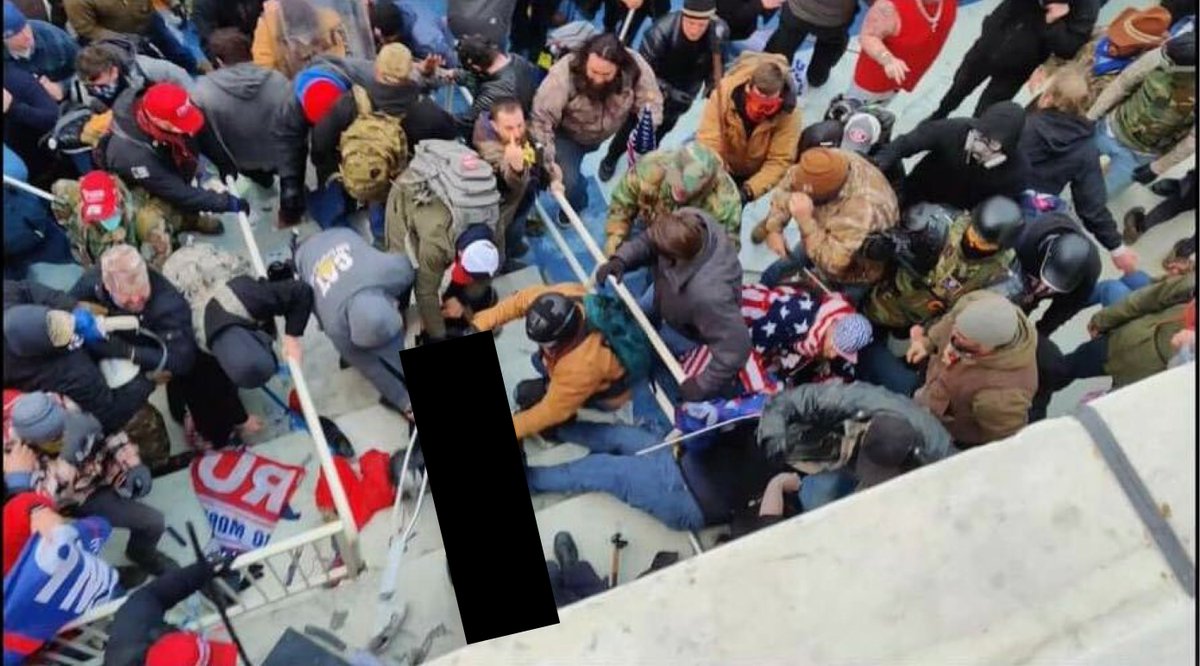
(690, 390)
(238, 205)
(220, 561)
(614, 267)
(1144, 174)
(747, 195)
(137, 483)
(291, 195)
(878, 247)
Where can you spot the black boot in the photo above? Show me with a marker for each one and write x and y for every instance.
(608, 166)
(1166, 187)
(153, 562)
(1134, 219)
(131, 576)
(565, 551)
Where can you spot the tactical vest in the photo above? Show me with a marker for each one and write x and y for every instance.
(1159, 113)
(906, 301)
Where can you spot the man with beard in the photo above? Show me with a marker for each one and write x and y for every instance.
(492, 75)
(586, 97)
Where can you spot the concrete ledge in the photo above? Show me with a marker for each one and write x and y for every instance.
(1025, 551)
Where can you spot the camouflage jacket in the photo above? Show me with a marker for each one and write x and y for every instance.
(144, 224)
(911, 299)
(647, 190)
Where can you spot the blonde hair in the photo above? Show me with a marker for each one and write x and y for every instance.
(1068, 92)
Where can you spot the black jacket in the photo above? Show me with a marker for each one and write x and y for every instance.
(263, 300)
(423, 119)
(1029, 262)
(208, 15)
(141, 162)
(139, 622)
(166, 315)
(664, 44)
(31, 363)
(946, 175)
(518, 79)
(742, 16)
(1016, 38)
(291, 129)
(727, 479)
(1061, 151)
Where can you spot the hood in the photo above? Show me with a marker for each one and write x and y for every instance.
(25, 331)
(393, 100)
(689, 172)
(122, 109)
(1003, 121)
(743, 68)
(243, 80)
(357, 70)
(1050, 133)
(1019, 353)
(723, 265)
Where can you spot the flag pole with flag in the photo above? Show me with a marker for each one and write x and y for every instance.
(641, 139)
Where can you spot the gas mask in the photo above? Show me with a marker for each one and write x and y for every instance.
(986, 152)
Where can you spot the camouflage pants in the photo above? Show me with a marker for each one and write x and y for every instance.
(148, 431)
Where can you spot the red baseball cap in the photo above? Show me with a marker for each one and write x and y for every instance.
(184, 648)
(169, 103)
(98, 197)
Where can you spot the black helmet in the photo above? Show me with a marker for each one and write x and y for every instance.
(922, 216)
(998, 221)
(552, 317)
(1064, 260)
(842, 107)
(825, 134)
(1181, 50)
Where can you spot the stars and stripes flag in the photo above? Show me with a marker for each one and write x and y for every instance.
(641, 139)
(753, 377)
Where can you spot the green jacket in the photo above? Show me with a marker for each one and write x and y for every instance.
(1140, 328)
(145, 224)
(428, 227)
(667, 180)
(906, 300)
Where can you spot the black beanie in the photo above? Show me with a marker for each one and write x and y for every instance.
(700, 8)
(1181, 50)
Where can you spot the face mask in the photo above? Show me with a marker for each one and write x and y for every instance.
(759, 107)
(984, 152)
(107, 91)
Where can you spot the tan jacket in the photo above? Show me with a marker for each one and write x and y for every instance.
(107, 19)
(270, 50)
(833, 236)
(559, 109)
(764, 156)
(576, 374)
(983, 399)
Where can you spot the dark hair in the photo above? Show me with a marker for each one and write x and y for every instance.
(477, 51)
(768, 78)
(505, 105)
(386, 17)
(96, 59)
(607, 46)
(679, 235)
(230, 46)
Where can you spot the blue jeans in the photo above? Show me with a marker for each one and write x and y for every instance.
(817, 490)
(1109, 292)
(878, 365)
(1125, 160)
(171, 46)
(652, 483)
(569, 156)
(56, 276)
(782, 269)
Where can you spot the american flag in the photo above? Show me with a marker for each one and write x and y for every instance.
(641, 139)
(753, 377)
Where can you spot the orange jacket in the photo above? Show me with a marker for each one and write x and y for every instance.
(270, 51)
(575, 376)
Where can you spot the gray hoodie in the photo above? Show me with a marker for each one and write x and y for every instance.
(349, 279)
(240, 102)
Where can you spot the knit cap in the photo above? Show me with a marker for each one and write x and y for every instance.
(992, 321)
(861, 133)
(394, 64)
(850, 334)
(820, 173)
(37, 418)
(14, 19)
(700, 8)
(884, 448)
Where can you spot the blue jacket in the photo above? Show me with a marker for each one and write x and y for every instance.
(53, 53)
(32, 114)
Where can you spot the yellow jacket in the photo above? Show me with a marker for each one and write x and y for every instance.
(576, 374)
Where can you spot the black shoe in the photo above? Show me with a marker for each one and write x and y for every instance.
(815, 80)
(518, 249)
(154, 563)
(564, 550)
(343, 363)
(130, 577)
(1133, 225)
(512, 266)
(608, 166)
(562, 221)
(534, 228)
(339, 443)
(1166, 187)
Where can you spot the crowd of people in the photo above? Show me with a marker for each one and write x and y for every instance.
(126, 137)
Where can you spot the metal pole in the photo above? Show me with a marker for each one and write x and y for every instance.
(26, 187)
(625, 26)
(659, 346)
(349, 528)
(669, 442)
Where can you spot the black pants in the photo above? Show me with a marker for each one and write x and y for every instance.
(831, 44)
(671, 113)
(1053, 376)
(212, 398)
(576, 582)
(976, 68)
(1183, 201)
(615, 11)
(145, 524)
(531, 22)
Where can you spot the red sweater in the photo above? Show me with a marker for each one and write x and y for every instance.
(917, 44)
(17, 529)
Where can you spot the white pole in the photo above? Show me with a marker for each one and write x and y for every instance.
(625, 26)
(26, 187)
(674, 440)
(659, 346)
(349, 528)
